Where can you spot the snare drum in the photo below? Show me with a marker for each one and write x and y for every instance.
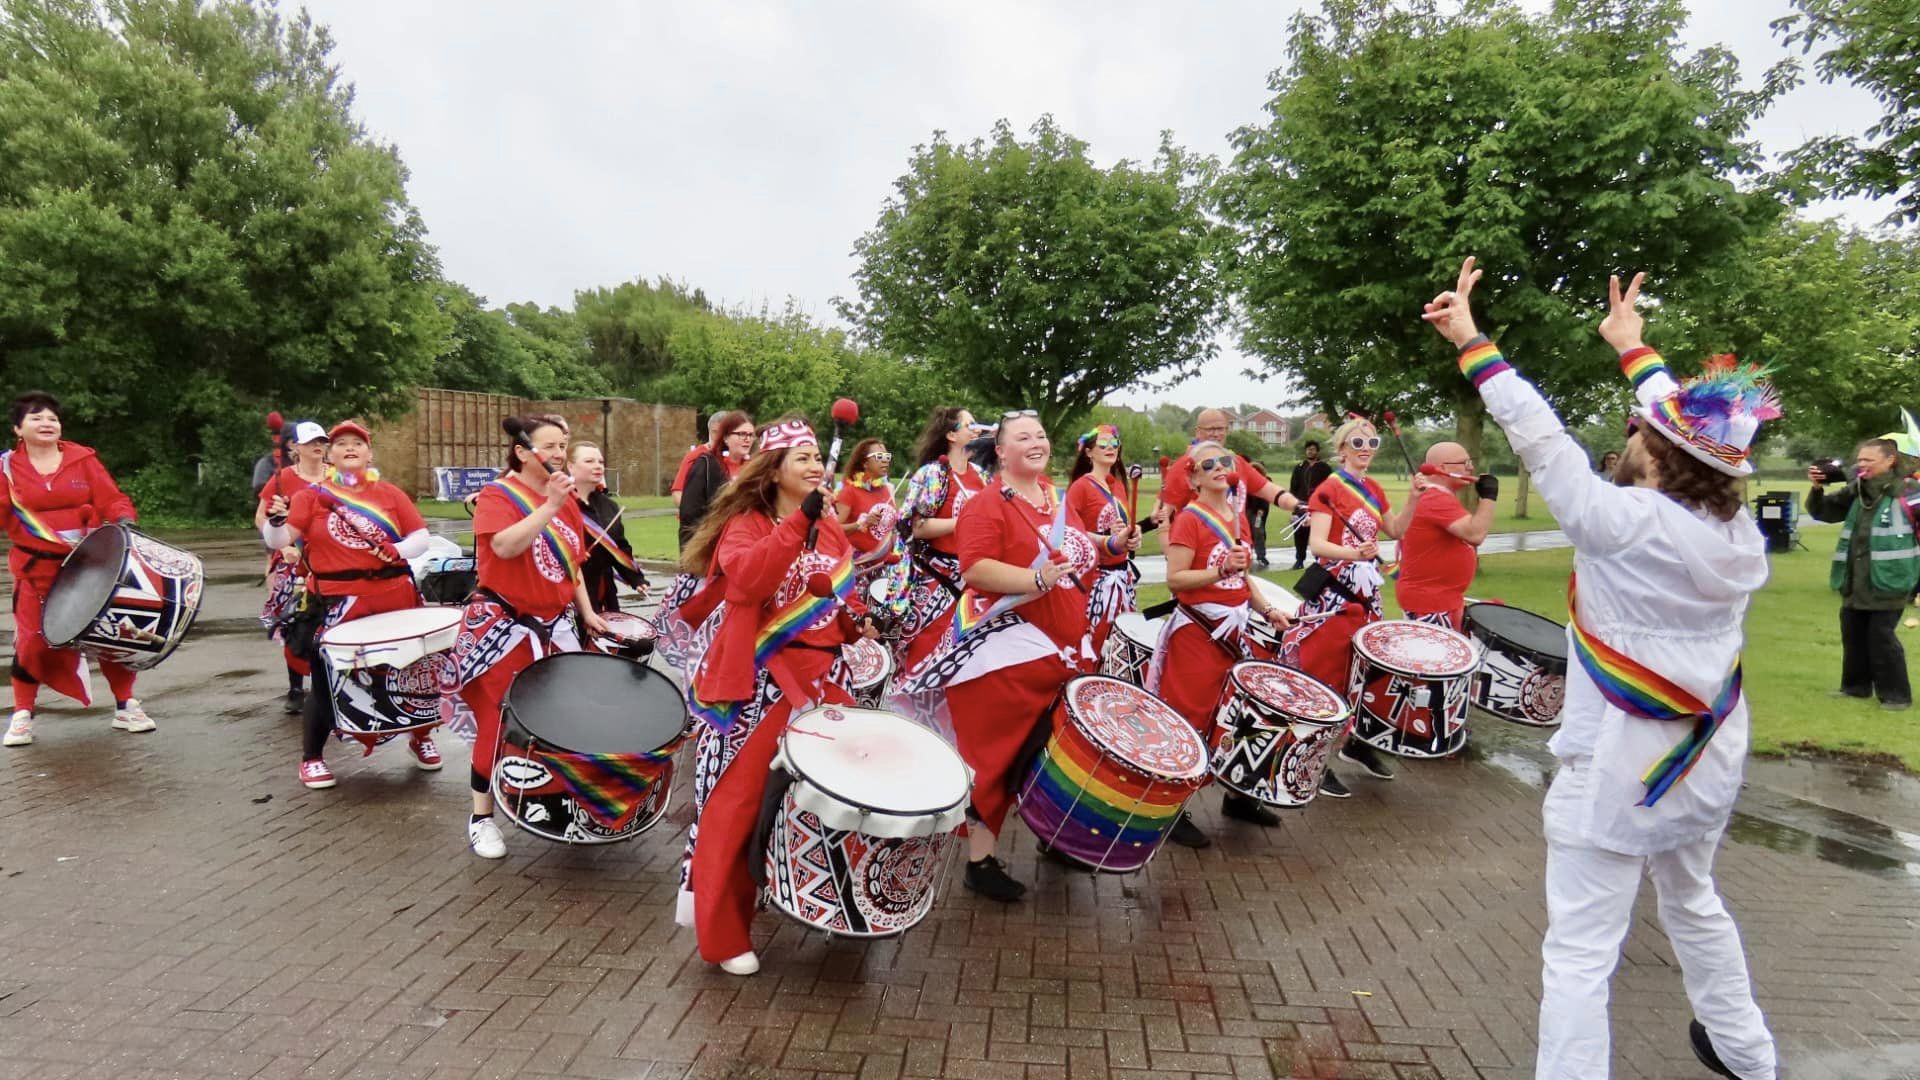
(384, 671)
(1277, 726)
(865, 804)
(587, 744)
(1111, 781)
(1523, 673)
(1130, 647)
(631, 637)
(869, 666)
(1409, 687)
(123, 596)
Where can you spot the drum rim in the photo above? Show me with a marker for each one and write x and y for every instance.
(454, 625)
(506, 698)
(794, 769)
(1495, 637)
(1066, 703)
(1360, 649)
(126, 546)
(509, 805)
(1346, 709)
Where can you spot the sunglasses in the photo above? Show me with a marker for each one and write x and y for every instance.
(1224, 461)
(1364, 442)
(1019, 414)
(880, 455)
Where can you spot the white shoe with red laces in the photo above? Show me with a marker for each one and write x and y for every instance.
(425, 755)
(20, 729)
(133, 718)
(316, 775)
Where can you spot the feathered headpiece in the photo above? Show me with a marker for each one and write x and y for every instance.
(1102, 435)
(1715, 415)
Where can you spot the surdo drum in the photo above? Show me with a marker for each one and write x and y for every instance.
(587, 743)
(1276, 728)
(1409, 687)
(123, 596)
(862, 806)
(869, 666)
(1264, 635)
(384, 671)
(1523, 675)
(1130, 647)
(1109, 784)
(631, 635)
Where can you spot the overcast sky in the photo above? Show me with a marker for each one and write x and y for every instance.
(742, 146)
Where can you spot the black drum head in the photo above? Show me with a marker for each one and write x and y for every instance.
(1519, 628)
(84, 585)
(592, 703)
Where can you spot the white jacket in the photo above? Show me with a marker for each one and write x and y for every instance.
(1665, 585)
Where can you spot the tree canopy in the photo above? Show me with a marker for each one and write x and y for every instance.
(1035, 277)
(1873, 44)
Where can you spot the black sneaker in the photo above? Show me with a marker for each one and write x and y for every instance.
(988, 878)
(1244, 808)
(1369, 759)
(296, 700)
(1299, 565)
(1331, 787)
(1896, 706)
(1703, 1049)
(1187, 834)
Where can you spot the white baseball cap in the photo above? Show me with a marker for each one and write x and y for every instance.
(307, 431)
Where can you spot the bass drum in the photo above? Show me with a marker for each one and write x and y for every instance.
(123, 596)
(1408, 686)
(1523, 676)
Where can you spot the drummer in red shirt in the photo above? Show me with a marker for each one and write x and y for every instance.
(358, 531)
(307, 442)
(1176, 488)
(1099, 499)
(1020, 633)
(1209, 553)
(765, 552)
(529, 544)
(1439, 553)
(864, 505)
(56, 493)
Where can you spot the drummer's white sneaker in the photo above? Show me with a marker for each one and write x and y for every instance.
(133, 718)
(483, 836)
(20, 730)
(744, 964)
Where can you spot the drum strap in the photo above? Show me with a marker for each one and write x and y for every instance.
(382, 573)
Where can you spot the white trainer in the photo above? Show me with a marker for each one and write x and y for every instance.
(484, 838)
(744, 964)
(133, 718)
(20, 730)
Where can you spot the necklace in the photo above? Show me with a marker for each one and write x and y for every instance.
(1044, 505)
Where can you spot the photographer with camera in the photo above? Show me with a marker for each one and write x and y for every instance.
(1439, 554)
(1876, 566)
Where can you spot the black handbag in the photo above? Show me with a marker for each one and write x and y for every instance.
(300, 629)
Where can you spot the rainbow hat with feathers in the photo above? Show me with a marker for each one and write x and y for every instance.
(1714, 416)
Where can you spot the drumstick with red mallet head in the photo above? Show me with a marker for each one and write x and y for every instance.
(1393, 425)
(845, 411)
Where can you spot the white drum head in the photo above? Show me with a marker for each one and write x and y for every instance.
(875, 772)
(1139, 629)
(1279, 596)
(410, 624)
(1415, 648)
(627, 626)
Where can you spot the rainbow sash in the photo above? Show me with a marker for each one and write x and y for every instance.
(786, 624)
(343, 499)
(34, 525)
(1359, 490)
(605, 539)
(557, 545)
(611, 788)
(1220, 530)
(1638, 690)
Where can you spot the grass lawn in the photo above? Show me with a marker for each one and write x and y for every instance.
(1792, 657)
(653, 538)
(434, 508)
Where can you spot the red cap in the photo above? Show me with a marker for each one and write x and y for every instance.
(275, 422)
(349, 427)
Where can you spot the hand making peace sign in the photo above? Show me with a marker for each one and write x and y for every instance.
(1623, 325)
(1450, 313)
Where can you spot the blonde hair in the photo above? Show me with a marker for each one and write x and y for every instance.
(1347, 429)
(573, 451)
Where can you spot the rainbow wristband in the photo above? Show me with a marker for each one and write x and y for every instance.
(1480, 360)
(1642, 364)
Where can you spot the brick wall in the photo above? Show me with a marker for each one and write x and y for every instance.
(458, 428)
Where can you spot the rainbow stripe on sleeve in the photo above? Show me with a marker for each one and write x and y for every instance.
(1481, 360)
(1642, 364)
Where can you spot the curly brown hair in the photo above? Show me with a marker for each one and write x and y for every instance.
(1691, 482)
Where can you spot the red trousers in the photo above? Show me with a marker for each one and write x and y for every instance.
(994, 717)
(1194, 673)
(35, 663)
(1327, 653)
(724, 893)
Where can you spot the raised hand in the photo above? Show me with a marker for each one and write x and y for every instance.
(1623, 325)
(1449, 313)
(559, 489)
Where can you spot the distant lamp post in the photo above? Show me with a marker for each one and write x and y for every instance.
(606, 440)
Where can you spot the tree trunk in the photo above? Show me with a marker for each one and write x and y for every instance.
(1470, 430)
(1520, 500)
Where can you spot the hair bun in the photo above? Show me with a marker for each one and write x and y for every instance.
(513, 427)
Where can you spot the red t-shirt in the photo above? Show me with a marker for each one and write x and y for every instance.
(858, 500)
(1436, 567)
(1335, 497)
(1010, 530)
(534, 582)
(1188, 530)
(342, 539)
(680, 477)
(1103, 511)
(959, 495)
(286, 484)
(1176, 488)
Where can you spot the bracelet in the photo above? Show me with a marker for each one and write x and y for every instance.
(1039, 583)
(1111, 550)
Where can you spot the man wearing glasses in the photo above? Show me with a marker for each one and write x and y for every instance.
(1176, 488)
(1439, 552)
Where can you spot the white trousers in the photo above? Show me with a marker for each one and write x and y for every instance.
(1590, 896)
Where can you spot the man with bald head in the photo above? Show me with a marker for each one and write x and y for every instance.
(1176, 488)
(1438, 553)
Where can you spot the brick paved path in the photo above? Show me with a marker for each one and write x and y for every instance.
(176, 905)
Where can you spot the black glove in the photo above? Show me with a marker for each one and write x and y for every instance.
(814, 504)
(1487, 487)
(276, 520)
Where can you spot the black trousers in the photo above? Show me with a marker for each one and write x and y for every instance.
(1300, 537)
(1257, 524)
(1873, 663)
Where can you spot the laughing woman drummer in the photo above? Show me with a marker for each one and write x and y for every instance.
(609, 556)
(865, 509)
(775, 602)
(1022, 633)
(529, 542)
(1209, 554)
(1099, 498)
(358, 531)
(285, 578)
(56, 493)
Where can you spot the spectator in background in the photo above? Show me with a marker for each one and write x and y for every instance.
(1257, 508)
(713, 467)
(694, 451)
(1607, 461)
(1177, 482)
(276, 457)
(1876, 567)
(1308, 475)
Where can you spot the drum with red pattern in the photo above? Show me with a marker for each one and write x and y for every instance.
(1409, 684)
(1111, 781)
(869, 669)
(1277, 726)
(123, 596)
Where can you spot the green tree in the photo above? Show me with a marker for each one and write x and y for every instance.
(895, 395)
(764, 363)
(628, 326)
(1038, 278)
(194, 228)
(535, 354)
(1871, 43)
(1558, 148)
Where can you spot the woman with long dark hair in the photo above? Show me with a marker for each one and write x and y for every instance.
(944, 480)
(531, 600)
(770, 618)
(1098, 496)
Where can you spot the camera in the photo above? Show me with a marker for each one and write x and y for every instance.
(1831, 471)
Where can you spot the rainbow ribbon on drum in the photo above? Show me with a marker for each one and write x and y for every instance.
(1638, 690)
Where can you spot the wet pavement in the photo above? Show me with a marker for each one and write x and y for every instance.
(175, 904)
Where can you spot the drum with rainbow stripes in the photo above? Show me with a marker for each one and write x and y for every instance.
(1110, 782)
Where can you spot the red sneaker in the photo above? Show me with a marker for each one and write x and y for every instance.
(316, 775)
(425, 755)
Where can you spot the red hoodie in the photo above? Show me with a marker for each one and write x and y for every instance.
(80, 495)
